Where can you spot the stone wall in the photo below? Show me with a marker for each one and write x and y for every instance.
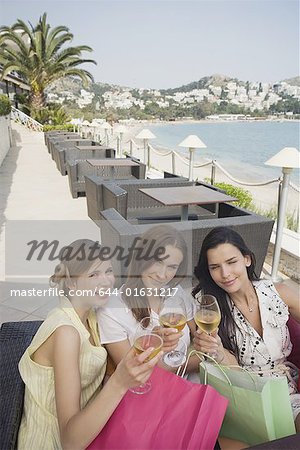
(5, 136)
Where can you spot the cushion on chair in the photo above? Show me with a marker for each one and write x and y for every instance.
(294, 329)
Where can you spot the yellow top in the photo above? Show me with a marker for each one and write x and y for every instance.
(39, 425)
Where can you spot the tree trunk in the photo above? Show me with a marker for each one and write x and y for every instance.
(36, 101)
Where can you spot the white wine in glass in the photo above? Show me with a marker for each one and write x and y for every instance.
(145, 338)
(207, 315)
(173, 320)
(173, 315)
(142, 343)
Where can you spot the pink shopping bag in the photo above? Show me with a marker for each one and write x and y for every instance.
(174, 415)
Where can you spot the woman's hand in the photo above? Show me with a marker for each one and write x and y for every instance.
(209, 343)
(170, 337)
(134, 369)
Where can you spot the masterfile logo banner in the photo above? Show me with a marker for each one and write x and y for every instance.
(33, 248)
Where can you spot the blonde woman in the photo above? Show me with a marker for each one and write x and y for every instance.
(65, 403)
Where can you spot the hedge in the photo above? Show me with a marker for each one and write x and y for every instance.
(65, 127)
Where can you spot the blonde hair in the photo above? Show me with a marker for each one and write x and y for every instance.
(75, 260)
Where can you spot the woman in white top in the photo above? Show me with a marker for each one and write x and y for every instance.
(151, 282)
(65, 404)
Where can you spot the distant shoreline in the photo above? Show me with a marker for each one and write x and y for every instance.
(139, 123)
(264, 197)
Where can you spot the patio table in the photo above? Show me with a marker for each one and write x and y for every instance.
(187, 195)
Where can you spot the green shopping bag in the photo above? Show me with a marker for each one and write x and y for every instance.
(259, 408)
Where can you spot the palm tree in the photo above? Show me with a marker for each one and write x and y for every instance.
(36, 53)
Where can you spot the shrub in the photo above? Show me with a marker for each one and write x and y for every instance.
(52, 114)
(65, 127)
(244, 197)
(5, 107)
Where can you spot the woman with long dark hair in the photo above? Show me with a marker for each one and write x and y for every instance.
(253, 330)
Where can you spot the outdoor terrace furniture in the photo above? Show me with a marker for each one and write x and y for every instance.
(14, 339)
(55, 135)
(185, 196)
(66, 142)
(287, 443)
(78, 170)
(125, 197)
(255, 229)
(62, 155)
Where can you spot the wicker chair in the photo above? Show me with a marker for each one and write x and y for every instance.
(78, 170)
(255, 229)
(73, 155)
(14, 339)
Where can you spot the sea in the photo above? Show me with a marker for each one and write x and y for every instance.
(241, 147)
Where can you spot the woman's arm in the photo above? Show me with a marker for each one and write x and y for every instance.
(79, 427)
(291, 298)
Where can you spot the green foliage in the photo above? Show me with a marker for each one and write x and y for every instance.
(244, 197)
(292, 219)
(52, 114)
(5, 107)
(65, 127)
(288, 104)
(41, 55)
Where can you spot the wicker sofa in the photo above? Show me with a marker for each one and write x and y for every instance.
(255, 229)
(51, 140)
(124, 196)
(77, 172)
(58, 144)
(15, 338)
(48, 135)
(62, 155)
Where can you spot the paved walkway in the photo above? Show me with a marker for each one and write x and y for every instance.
(31, 188)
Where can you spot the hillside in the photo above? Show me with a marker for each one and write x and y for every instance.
(293, 81)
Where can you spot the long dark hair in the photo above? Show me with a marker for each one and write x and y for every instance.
(216, 237)
(159, 236)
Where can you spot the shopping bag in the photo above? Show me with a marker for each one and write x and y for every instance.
(175, 414)
(259, 408)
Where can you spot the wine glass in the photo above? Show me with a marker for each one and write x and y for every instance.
(144, 338)
(207, 315)
(173, 315)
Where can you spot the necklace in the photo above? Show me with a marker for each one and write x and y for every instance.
(250, 304)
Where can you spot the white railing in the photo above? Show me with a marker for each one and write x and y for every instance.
(22, 118)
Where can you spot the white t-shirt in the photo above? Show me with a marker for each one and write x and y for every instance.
(117, 323)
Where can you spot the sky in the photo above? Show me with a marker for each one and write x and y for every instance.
(167, 43)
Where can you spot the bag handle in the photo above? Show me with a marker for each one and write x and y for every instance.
(202, 357)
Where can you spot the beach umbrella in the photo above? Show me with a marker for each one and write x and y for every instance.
(288, 159)
(146, 134)
(192, 142)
